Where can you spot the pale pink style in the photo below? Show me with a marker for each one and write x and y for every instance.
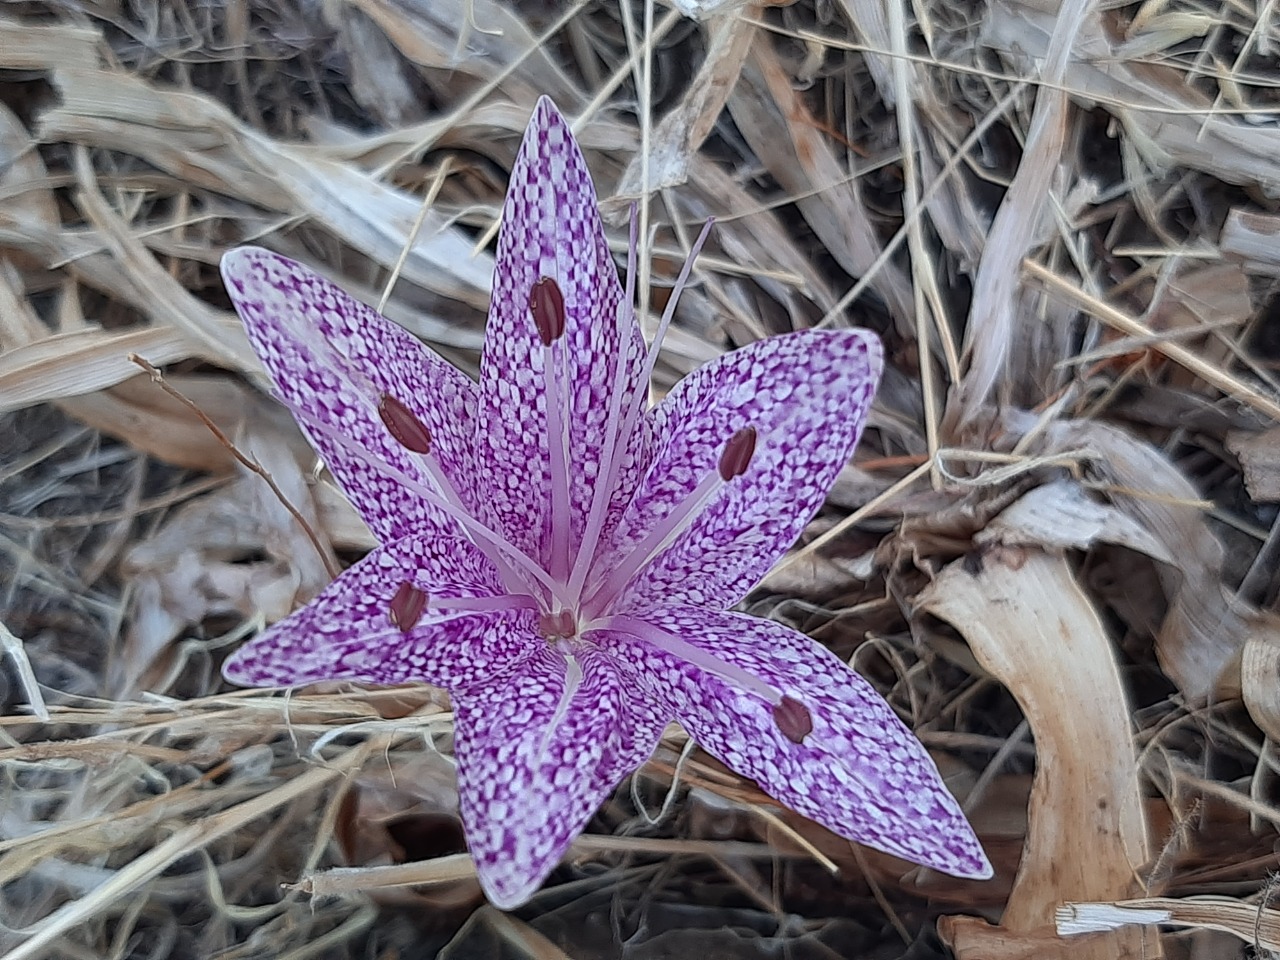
(560, 555)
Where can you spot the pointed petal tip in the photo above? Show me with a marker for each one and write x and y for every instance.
(233, 671)
(871, 347)
(236, 261)
(957, 851)
(545, 112)
(875, 349)
(244, 268)
(503, 888)
(970, 861)
(982, 870)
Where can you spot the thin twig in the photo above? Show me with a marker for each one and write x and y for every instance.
(252, 465)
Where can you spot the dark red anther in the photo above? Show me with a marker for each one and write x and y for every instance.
(737, 454)
(404, 424)
(407, 606)
(793, 720)
(546, 303)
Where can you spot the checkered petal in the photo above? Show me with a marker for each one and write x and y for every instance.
(331, 358)
(860, 772)
(534, 766)
(551, 228)
(807, 396)
(346, 633)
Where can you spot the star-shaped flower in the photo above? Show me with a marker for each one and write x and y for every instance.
(560, 556)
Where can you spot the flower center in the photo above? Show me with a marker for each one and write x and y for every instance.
(560, 625)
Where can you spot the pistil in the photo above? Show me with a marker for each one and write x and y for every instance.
(572, 681)
(619, 436)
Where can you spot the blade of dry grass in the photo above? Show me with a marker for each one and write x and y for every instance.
(179, 844)
(169, 127)
(32, 46)
(1222, 379)
(996, 303)
(1253, 923)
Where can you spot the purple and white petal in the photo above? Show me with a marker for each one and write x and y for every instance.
(806, 395)
(859, 772)
(348, 632)
(535, 765)
(331, 358)
(551, 228)
(562, 691)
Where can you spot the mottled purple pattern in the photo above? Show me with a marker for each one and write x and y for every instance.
(332, 356)
(807, 395)
(551, 227)
(346, 632)
(533, 762)
(526, 789)
(860, 772)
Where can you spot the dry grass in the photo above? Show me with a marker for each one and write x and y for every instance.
(1056, 553)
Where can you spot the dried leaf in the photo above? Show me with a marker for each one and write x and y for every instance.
(1033, 628)
(1260, 672)
(1164, 116)
(1251, 237)
(1060, 515)
(791, 143)
(202, 562)
(1202, 632)
(682, 131)
(1259, 454)
(1014, 232)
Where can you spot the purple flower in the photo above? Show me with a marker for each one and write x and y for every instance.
(560, 556)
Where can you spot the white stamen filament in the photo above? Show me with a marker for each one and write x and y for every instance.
(558, 449)
(659, 538)
(499, 547)
(673, 301)
(367, 641)
(664, 640)
(506, 601)
(639, 404)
